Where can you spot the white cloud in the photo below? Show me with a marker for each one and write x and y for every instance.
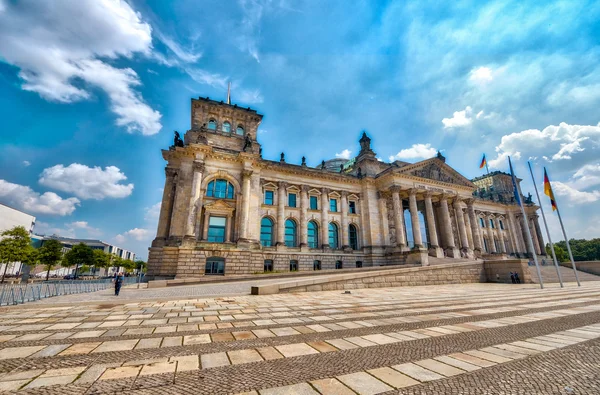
(62, 50)
(417, 151)
(84, 226)
(573, 195)
(185, 55)
(459, 119)
(26, 163)
(204, 77)
(481, 75)
(247, 96)
(153, 212)
(572, 145)
(136, 234)
(587, 176)
(120, 239)
(345, 154)
(44, 228)
(24, 198)
(87, 182)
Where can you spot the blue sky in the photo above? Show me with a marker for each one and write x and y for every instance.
(90, 91)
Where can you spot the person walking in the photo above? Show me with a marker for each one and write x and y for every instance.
(118, 283)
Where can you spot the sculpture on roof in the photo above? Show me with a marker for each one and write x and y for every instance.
(177, 141)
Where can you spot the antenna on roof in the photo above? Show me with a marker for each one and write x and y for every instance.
(229, 93)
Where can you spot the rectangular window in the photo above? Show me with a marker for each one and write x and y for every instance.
(292, 200)
(481, 222)
(293, 266)
(269, 198)
(492, 224)
(352, 207)
(339, 264)
(333, 205)
(358, 263)
(313, 203)
(316, 265)
(501, 225)
(268, 265)
(216, 229)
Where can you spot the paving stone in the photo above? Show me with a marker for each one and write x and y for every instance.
(533, 346)
(417, 372)
(94, 372)
(23, 375)
(269, 353)
(457, 363)
(165, 329)
(214, 360)
(360, 341)
(439, 367)
(196, 339)
(380, 339)
(186, 363)
(296, 389)
(120, 373)
(503, 353)
(86, 334)
(222, 337)
(50, 350)
(297, 349)
(285, 331)
(364, 384)
(263, 333)
(392, 377)
(322, 346)
(244, 356)
(158, 368)
(331, 387)
(172, 341)
(117, 345)
(484, 363)
(53, 380)
(6, 386)
(149, 343)
(19, 352)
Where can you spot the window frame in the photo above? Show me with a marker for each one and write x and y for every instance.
(315, 243)
(492, 223)
(214, 260)
(224, 228)
(272, 193)
(294, 265)
(354, 245)
(290, 194)
(339, 265)
(294, 235)
(333, 205)
(223, 127)
(266, 264)
(335, 236)
(211, 189)
(481, 223)
(237, 130)
(501, 224)
(212, 121)
(352, 207)
(263, 241)
(311, 199)
(316, 264)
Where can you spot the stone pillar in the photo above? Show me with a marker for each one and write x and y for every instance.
(178, 203)
(383, 212)
(414, 218)
(228, 231)
(451, 249)
(474, 227)
(303, 219)
(281, 213)
(500, 236)
(344, 206)
(462, 230)
(517, 234)
(324, 217)
(490, 232)
(523, 223)
(534, 236)
(468, 227)
(540, 235)
(434, 244)
(398, 218)
(205, 228)
(166, 207)
(198, 169)
(245, 217)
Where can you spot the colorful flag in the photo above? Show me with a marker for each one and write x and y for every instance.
(514, 181)
(483, 162)
(548, 190)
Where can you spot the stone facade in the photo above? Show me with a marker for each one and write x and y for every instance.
(226, 210)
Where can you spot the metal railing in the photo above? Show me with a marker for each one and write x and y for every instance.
(12, 294)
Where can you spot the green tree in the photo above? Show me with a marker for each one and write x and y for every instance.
(80, 254)
(50, 255)
(14, 246)
(140, 265)
(101, 260)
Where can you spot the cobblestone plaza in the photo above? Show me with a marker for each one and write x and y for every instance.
(470, 338)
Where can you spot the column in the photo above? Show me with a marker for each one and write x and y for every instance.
(324, 217)
(433, 238)
(281, 213)
(303, 219)
(540, 235)
(245, 217)
(446, 222)
(534, 236)
(517, 233)
(228, 228)
(383, 212)
(205, 228)
(178, 201)
(198, 169)
(474, 225)
(164, 222)
(468, 227)
(398, 217)
(500, 236)
(490, 232)
(460, 220)
(523, 223)
(344, 206)
(414, 218)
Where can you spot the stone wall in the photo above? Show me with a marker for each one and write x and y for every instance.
(592, 267)
(458, 273)
(498, 271)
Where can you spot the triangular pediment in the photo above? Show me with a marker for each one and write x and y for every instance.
(436, 170)
(218, 205)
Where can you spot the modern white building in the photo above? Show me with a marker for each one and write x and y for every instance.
(9, 218)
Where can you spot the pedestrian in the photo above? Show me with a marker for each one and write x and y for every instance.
(512, 278)
(118, 283)
(543, 262)
(517, 279)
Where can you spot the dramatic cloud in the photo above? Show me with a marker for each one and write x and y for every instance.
(87, 182)
(345, 154)
(573, 195)
(572, 145)
(459, 119)
(24, 198)
(417, 151)
(63, 49)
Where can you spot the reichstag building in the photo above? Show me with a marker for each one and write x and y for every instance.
(226, 210)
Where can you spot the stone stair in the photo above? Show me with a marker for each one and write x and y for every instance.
(549, 274)
(433, 261)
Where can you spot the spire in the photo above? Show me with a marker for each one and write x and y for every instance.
(229, 93)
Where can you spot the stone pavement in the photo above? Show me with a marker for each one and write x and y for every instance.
(471, 338)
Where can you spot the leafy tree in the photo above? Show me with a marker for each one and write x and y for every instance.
(50, 254)
(14, 246)
(80, 254)
(101, 260)
(140, 265)
(583, 250)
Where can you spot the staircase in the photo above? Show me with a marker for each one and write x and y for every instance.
(433, 261)
(549, 275)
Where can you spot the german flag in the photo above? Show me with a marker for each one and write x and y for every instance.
(548, 190)
(483, 162)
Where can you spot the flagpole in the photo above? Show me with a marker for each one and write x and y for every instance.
(567, 241)
(527, 231)
(486, 167)
(546, 226)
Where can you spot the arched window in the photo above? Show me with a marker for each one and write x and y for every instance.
(313, 235)
(266, 232)
(353, 237)
(239, 130)
(226, 127)
(333, 235)
(290, 233)
(212, 124)
(221, 189)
